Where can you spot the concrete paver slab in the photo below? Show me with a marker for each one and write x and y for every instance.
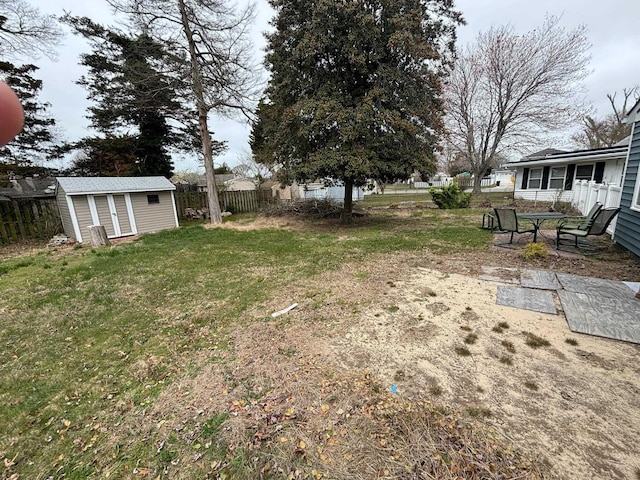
(594, 286)
(526, 298)
(543, 279)
(601, 315)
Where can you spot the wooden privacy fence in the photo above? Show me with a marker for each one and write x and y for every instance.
(235, 202)
(28, 219)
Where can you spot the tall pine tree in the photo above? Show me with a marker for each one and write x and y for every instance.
(27, 153)
(355, 89)
(137, 106)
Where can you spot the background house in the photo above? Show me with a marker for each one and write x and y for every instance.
(123, 205)
(221, 179)
(549, 175)
(627, 232)
(239, 184)
(18, 188)
(318, 190)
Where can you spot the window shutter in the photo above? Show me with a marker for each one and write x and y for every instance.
(568, 181)
(545, 178)
(525, 178)
(599, 173)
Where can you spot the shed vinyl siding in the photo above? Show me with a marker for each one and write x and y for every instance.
(65, 214)
(83, 214)
(627, 231)
(155, 216)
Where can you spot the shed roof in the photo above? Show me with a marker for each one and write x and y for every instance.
(96, 185)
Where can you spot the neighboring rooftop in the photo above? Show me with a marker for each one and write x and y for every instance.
(29, 187)
(543, 153)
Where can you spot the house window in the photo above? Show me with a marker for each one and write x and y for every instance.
(153, 199)
(584, 172)
(556, 177)
(535, 178)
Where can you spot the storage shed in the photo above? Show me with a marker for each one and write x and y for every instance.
(123, 205)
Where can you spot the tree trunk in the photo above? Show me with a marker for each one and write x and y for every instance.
(212, 191)
(477, 184)
(347, 211)
(98, 236)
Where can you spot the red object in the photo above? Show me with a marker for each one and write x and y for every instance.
(11, 114)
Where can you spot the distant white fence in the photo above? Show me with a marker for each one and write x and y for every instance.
(587, 193)
(486, 182)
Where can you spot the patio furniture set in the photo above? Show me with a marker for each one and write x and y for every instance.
(509, 220)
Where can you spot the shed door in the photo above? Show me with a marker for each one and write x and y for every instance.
(104, 215)
(112, 212)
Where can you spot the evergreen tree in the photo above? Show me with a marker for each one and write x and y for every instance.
(355, 88)
(211, 38)
(135, 99)
(35, 144)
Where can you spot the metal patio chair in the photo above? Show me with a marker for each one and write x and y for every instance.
(598, 226)
(573, 223)
(508, 222)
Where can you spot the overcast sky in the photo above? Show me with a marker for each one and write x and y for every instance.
(612, 30)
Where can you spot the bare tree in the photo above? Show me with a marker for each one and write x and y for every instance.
(606, 132)
(211, 39)
(248, 168)
(25, 32)
(507, 90)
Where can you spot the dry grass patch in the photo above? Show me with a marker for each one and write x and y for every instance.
(534, 341)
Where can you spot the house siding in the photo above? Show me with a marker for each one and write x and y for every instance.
(153, 217)
(627, 231)
(83, 214)
(609, 172)
(65, 214)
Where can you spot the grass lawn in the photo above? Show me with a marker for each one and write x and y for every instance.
(96, 341)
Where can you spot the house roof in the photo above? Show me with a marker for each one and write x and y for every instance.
(221, 178)
(96, 185)
(634, 113)
(29, 187)
(544, 153)
(579, 156)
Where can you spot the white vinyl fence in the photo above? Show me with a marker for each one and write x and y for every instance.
(486, 182)
(587, 193)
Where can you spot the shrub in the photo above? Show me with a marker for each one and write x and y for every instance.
(450, 196)
(534, 250)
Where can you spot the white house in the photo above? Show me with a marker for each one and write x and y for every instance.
(550, 175)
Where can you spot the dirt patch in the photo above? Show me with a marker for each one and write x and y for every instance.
(572, 407)
(355, 337)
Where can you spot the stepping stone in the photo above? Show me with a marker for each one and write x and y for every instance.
(594, 286)
(500, 274)
(602, 316)
(542, 279)
(526, 298)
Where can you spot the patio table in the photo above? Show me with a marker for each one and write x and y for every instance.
(536, 218)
